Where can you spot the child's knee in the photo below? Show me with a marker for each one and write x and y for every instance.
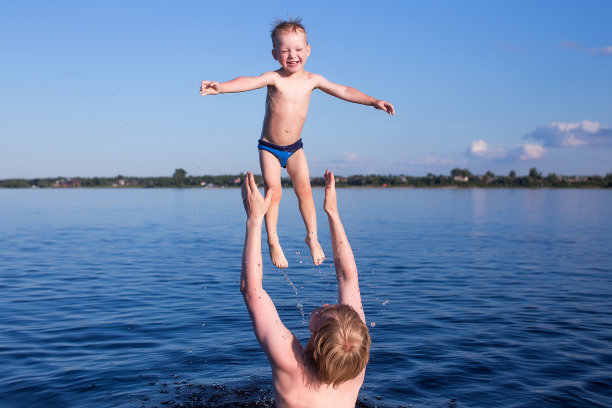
(303, 190)
(276, 192)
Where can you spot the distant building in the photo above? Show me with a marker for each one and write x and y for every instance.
(66, 182)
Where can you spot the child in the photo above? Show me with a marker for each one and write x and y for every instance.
(330, 370)
(289, 90)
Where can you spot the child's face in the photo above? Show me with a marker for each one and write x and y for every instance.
(291, 50)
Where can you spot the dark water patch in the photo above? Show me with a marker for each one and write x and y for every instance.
(182, 394)
(185, 395)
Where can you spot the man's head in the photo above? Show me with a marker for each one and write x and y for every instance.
(339, 345)
(290, 44)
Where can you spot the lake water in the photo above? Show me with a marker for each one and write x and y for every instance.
(474, 298)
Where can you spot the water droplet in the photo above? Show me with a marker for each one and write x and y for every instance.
(373, 324)
(385, 302)
(295, 291)
(203, 324)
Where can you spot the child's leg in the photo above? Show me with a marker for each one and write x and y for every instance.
(271, 172)
(297, 167)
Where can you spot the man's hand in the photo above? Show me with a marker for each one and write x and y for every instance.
(385, 106)
(255, 205)
(330, 204)
(209, 88)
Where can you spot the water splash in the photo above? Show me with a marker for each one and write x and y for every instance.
(299, 302)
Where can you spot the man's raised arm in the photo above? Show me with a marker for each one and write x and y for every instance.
(344, 261)
(274, 338)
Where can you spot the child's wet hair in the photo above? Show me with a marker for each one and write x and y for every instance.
(292, 25)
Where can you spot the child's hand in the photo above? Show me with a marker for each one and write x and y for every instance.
(209, 88)
(255, 205)
(385, 106)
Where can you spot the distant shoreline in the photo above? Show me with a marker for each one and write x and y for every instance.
(459, 178)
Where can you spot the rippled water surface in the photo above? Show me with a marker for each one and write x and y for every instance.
(475, 298)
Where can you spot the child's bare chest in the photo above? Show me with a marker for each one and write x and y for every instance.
(294, 92)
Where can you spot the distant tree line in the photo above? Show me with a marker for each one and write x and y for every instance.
(461, 178)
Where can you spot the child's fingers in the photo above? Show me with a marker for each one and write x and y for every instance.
(207, 85)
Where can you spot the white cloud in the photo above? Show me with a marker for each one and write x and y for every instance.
(480, 148)
(601, 52)
(584, 133)
(570, 44)
(528, 151)
(350, 157)
(531, 151)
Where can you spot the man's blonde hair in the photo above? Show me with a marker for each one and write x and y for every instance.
(340, 347)
(293, 25)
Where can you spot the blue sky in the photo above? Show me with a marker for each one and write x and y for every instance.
(102, 88)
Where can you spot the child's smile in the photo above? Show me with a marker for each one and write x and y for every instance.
(291, 50)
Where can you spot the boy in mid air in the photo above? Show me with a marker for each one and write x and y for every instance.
(280, 145)
(330, 370)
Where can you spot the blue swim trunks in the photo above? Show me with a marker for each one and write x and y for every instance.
(282, 153)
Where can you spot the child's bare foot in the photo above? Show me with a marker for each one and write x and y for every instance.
(277, 255)
(330, 204)
(315, 250)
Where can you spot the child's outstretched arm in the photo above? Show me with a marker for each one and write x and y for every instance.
(274, 338)
(240, 84)
(353, 95)
(344, 260)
